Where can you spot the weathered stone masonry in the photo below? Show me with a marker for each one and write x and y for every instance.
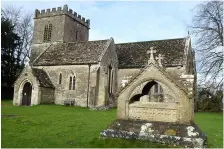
(100, 68)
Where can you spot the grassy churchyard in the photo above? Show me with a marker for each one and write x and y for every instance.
(55, 126)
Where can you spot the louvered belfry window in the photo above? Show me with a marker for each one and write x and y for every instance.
(47, 32)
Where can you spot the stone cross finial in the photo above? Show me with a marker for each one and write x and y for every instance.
(151, 59)
(159, 58)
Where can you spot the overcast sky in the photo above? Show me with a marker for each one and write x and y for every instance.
(126, 21)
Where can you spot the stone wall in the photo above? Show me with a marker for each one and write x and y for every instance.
(58, 31)
(72, 27)
(47, 95)
(175, 72)
(94, 85)
(124, 75)
(184, 77)
(62, 92)
(81, 73)
(189, 83)
(109, 58)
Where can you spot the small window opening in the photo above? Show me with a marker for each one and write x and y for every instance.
(109, 79)
(60, 78)
(76, 35)
(73, 86)
(70, 83)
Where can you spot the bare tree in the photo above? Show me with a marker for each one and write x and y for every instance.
(23, 27)
(207, 28)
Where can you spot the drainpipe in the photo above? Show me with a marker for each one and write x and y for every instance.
(88, 86)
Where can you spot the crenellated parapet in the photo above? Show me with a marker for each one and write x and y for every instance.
(60, 11)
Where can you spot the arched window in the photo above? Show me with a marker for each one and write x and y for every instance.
(70, 83)
(109, 79)
(73, 84)
(47, 32)
(60, 78)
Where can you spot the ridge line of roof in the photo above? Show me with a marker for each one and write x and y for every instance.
(85, 41)
(34, 61)
(103, 53)
(150, 41)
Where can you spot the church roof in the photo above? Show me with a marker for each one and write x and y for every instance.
(134, 55)
(42, 77)
(82, 52)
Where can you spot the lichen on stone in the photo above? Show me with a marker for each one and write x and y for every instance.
(187, 139)
(178, 138)
(163, 136)
(190, 132)
(146, 128)
(170, 132)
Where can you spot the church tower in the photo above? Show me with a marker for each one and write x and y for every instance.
(57, 25)
(61, 25)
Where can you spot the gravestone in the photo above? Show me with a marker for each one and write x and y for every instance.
(155, 107)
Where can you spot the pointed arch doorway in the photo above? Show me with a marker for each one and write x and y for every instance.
(27, 93)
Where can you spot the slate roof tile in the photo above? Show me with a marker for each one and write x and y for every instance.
(81, 52)
(134, 55)
(42, 77)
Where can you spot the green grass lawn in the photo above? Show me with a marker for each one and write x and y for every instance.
(212, 125)
(54, 126)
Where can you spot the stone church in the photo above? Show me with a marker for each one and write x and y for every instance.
(65, 67)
